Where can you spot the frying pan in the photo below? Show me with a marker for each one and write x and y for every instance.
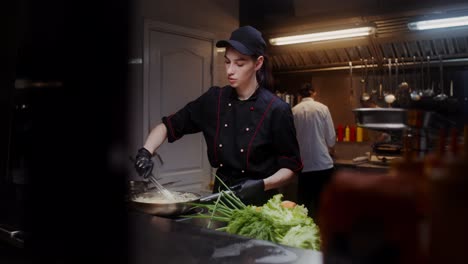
(168, 209)
(163, 209)
(172, 209)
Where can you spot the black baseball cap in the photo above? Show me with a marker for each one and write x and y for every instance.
(247, 40)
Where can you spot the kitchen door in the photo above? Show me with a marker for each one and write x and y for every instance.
(177, 68)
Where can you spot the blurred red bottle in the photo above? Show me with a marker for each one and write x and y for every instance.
(352, 133)
(340, 132)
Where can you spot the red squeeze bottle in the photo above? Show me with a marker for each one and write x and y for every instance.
(352, 134)
(340, 133)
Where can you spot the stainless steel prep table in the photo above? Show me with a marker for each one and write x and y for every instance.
(362, 167)
(160, 240)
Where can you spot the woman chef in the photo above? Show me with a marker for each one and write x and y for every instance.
(249, 131)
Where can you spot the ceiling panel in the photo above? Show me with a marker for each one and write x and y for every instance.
(392, 39)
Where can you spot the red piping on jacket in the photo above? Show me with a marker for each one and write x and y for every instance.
(170, 126)
(256, 130)
(217, 125)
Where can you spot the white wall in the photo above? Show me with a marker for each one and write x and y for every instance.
(218, 17)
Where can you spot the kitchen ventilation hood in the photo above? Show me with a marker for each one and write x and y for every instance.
(392, 39)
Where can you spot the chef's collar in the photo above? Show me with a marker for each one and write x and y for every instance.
(253, 97)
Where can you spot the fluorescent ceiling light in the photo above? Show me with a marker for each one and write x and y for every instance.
(321, 36)
(219, 50)
(439, 23)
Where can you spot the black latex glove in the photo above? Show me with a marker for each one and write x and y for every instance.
(143, 162)
(250, 188)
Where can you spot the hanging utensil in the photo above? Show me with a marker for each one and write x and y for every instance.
(375, 83)
(430, 85)
(351, 91)
(441, 96)
(390, 97)
(385, 77)
(364, 95)
(415, 93)
(404, 95)
(374, 80)
(382, 76)
(397, 80)
(452, 101)
(396, 86)
(429, 75)
(451, 88)
(403, 85)
(380, 91)
(421, 77)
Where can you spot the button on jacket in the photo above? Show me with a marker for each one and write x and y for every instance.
(252, 138)
(315, 132)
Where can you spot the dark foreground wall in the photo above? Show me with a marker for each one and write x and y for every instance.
(66, 144)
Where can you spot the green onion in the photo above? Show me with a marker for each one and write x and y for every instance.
(288, 226)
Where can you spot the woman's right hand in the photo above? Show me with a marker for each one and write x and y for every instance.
(144, 163)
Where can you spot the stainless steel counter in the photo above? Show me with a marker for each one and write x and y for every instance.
(361, 166)
(160, 240)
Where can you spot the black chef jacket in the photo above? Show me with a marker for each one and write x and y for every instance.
(246, 139)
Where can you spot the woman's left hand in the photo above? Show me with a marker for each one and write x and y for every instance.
(250, 189)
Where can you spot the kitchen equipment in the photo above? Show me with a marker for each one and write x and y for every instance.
(429, 91)
(403, 85)
(382, 79)
(172, 209)
(160, 188)
(397, 80)
(419, 126)
(451, 88)
(153, 179)
(416, 92)
(399, 118)
(390, 121)
(163, 209)
(383, 160)
(364, 96)
(374, 80)
(381, 118)
(140, 190)
(389, 97)
(387, 149)
(169, 209)
(136, 187)
(441, 96)
(452, 104)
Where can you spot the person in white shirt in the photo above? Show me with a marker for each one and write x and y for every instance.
(316, 136)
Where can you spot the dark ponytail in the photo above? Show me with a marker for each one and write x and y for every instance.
(264, 75)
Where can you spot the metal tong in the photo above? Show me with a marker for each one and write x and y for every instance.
(215, 196)
(150, 176)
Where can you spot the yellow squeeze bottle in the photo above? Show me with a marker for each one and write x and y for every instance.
(359, 134)
(347, 131)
